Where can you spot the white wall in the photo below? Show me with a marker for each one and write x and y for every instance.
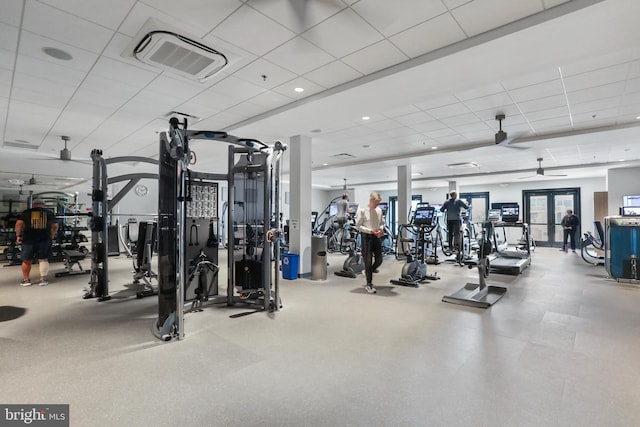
(622, 182)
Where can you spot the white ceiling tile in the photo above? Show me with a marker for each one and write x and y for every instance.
(207, 104)
(342, 34)
(287, 89)
(123, 72)
(252, 31)
(117, 92)
(297, 16)
(550, 125)
(34, 89)
(8, 37)
(401, 111)
(596, 93)
(176, 88)
(550, 113)
(630, 99)
(52, 72)
(481, 15)
(597, 62)
(531, 79)
(430, 126)
(497, 101)
(536, 91)
(65, 28)
(237, 58)
(5, 87)
(236, 88)
(403, 14)
(299, 56)
(634, 70)
(434, 102)
(448, 111)
(270, 99)
(414, 118)
(246, 110)
(106, 13)
(141, 12)
(542, 103)
(452, 4)
(375, 57)
(595, 116)
(153, 105)
(510, 111)
(265, 74)
(593, 106)
(551, 3)
(201, 14)
(433, 34)
(383, 125)
(598, 77)
(7, 60)
(31, 45)
(82, 118)
(333, 74)
(11, 12)
(461, 120)
(490, 89)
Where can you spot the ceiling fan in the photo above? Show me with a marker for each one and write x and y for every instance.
(540, 171)
(65, 153)
(501, 137)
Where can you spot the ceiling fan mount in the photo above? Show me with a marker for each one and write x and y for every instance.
(65, 153)
(540, 170)
(501, 135)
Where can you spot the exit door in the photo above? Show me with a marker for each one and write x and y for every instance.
(544, 210)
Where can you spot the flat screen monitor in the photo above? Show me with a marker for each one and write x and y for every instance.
(630, 210)
(510, 212)
(384, 206)
(494, 214)
(353, 208)
(423, 215)
(632, 201)
(333, 209)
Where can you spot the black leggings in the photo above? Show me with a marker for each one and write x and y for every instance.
(371, 248)
(569, 235)
(453, 232)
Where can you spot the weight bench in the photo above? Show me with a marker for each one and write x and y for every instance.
(71, 258)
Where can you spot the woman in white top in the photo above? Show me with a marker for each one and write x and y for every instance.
(370, 223)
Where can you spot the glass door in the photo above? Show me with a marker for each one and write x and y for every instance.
(479, 206)
(544, 210)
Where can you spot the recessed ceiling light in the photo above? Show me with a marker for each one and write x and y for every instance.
(638, 117)
(365, 117)
(325, 164)
(57, 53)
(434, 148)
(299, 89)
(416, 174)
(621, 160)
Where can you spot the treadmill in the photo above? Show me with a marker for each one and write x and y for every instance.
(511, 259)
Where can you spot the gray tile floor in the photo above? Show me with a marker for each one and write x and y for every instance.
(560, 349)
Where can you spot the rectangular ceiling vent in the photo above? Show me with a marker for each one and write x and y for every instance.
(24, 145)
(344, 156)
(465, 165)
(158, 46)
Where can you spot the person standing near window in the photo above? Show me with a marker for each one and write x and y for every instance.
(570, 223)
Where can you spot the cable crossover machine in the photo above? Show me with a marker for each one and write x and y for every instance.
(188, 241)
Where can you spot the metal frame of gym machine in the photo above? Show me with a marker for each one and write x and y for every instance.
(100, 208)
(249, 161)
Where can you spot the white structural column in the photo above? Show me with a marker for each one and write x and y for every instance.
(453, 186)
(300, 201)
(404, 193)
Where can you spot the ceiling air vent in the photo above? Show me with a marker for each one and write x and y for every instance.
(157, 46)
(344, 156)
(465, 165)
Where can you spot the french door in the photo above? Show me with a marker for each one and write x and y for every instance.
(543, 211)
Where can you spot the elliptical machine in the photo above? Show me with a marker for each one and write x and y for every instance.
(414, 271)
(354, 264)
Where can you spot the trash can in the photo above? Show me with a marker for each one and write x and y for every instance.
(290, 266)
(319, 258)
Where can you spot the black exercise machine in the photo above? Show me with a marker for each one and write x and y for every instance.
(591, 245)
(479, 294)
(414, 271)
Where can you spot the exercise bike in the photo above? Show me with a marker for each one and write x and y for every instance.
(414, 271)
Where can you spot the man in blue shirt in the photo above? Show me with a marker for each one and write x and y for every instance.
(453, 207)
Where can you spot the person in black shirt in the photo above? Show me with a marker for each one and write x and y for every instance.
(35, 230)
(570, 223)
(453, 207)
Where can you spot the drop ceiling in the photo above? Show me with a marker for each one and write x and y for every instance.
(431, 75)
